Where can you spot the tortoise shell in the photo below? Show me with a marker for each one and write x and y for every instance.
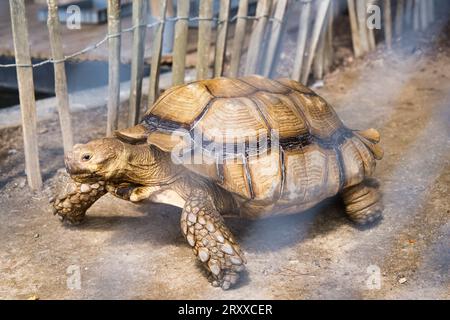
(261, 139)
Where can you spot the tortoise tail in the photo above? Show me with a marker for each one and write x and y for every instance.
(370, 138)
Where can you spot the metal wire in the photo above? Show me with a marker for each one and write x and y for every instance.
(131, 29)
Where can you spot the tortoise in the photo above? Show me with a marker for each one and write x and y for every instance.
(250, 147)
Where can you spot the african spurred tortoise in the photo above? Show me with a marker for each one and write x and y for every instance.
(250, 147)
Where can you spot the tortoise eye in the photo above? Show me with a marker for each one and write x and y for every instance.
(86, 157)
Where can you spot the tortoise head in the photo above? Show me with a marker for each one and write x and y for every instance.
(100, 159)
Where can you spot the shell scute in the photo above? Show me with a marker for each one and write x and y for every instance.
(295, 85)
(266, 171)
(311, 173)
(228, 88)
(232, 120)
(263, 84)
(321, 118)
(182, 104)
(281, 114)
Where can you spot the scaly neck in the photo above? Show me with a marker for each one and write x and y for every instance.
(147, 165)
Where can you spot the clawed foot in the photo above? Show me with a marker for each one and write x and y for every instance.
(368, 215)
(363, 203)
(213, 244)
(71, 204)
(222, 257)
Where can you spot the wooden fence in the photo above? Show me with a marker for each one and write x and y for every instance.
(314, 48)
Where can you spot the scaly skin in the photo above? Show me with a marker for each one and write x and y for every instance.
(71, 204)
(363, 203)
(211, 240)
(76, 198)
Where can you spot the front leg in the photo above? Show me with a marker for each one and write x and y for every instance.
(76, 198)
(212, 242)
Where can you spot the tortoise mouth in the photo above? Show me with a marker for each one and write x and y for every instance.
(87, 177)
(80, 174)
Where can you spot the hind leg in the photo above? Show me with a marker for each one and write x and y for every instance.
(363, 203)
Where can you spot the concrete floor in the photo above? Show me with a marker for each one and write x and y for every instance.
(124, 250)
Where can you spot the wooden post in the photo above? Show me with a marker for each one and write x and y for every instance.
(409, 12)
(139, 18)
(253, 52)
(370, 32)
(153, 91)
(328, 53)
(362, 26)
(26, 92)
(387, 23)
(62, 97)
(416, 15)
(204, 38)
(319, 57)
(317, 29)
(221, 42)
(239, 35)
(424, 14)
(301, 40)
(357, 50)
(275, 36)
(180, 43)
(431, 10)
(113, 66)
(399, 18)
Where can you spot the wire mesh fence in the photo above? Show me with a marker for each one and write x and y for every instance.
(131, 29)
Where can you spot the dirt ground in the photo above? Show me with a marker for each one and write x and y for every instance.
(125, 250)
